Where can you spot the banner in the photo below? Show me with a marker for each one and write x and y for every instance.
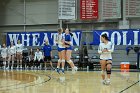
(66, 9)
(38, 38)
(118, 37)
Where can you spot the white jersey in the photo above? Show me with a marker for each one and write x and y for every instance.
(4, 52)
(59, 39)
(19, 48)
(11, 50)
(38, 56)
(106, 55)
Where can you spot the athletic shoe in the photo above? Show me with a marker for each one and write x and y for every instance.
(45, 68)
(17, 67)
(63, 71)
(58, 70)
(11, 67)
(32, 67)
(27, 67)
(108, 82)
(20, 67)
(35, 67)
(4, 67)
(104, 82)
(38, 67)
(75, 68)
(7, 68)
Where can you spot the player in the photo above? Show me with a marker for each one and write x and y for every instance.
(47, 50)
(4, 55)
(31, 58)
(11, 55)
(61, 50)
(105, 49)
(38, 58)
(68, 44)
(19, 50)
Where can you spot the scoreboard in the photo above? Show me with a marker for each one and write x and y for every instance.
(111, 9)
(132, 8)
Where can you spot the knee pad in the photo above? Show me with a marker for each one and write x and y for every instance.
(69, 61)
(102, 72)
(108, 71)
(59, 60)
(63, 60)
(109, 64)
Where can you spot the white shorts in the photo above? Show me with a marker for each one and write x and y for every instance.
(10, 54)
(19, 53)
(4, 55)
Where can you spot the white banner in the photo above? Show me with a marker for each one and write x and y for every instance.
(67, 9)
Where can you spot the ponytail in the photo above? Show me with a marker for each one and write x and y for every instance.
(105, 36)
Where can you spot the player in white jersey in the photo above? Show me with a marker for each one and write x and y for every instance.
(19, 50)
(38, 58)
(61, 50)
(105, 49)
(11, 54)
(4, 55)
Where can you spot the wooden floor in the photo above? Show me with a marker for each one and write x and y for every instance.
(23, 81)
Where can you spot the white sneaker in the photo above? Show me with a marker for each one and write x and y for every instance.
(26, 67)
(4, 67)
(104, 82)
(108, 81)
(7, 68)
(75, 68)
(38, 67)
(31, 67)
(17, 67)
(45, 68)
(20, 67)
(35, 67)
(12, 67)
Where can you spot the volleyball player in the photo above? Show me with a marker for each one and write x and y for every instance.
(19, 50)
(38, 58)
(61, 50)
(11, 54)
(47, 49)
(68, 44)
(105, 49)
(31, 58)
(4, 55)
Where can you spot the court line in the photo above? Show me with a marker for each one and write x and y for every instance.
(31, 84)
(11, 84)
(129, 87)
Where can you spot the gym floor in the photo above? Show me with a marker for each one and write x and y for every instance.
(48, 81)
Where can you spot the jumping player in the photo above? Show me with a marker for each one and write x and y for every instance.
(4, 55)
(105, 49)
(11, 54)
(68, 44)
(61, 50)
(19, 50)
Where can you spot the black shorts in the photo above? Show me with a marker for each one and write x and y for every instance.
(47, 58)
